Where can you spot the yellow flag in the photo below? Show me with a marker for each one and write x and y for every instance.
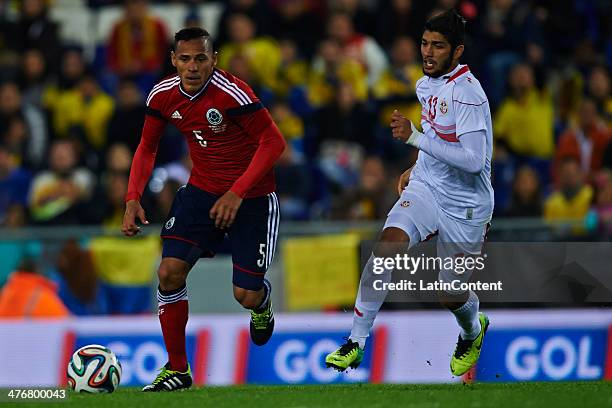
(321, 271)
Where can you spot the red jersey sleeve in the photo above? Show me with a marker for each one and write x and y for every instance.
(256, 121)
(144, 158)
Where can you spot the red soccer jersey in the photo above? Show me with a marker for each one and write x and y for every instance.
(232, 139)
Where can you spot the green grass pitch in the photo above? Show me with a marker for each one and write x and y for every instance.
(478, 395)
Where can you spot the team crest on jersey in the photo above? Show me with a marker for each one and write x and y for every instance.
(170, 223)
(214, 116)
(405, 203)
(443, 107)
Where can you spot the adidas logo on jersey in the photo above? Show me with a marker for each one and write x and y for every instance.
(176, 115)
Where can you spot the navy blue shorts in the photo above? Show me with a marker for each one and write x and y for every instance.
(189, 233)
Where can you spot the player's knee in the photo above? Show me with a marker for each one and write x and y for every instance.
(171, 275)
(391, 242)
(249, 299)
(452, 301)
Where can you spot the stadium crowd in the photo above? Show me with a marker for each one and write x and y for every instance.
(330, 72)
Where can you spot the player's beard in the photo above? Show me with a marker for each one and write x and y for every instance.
(443, 70)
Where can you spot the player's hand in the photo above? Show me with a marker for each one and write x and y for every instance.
(133, 210)
(403, 181)
(402, 129)
(225, 209)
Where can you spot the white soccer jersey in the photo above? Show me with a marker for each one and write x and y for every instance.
(453, 105)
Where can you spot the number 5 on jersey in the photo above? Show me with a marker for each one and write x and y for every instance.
(198, 136)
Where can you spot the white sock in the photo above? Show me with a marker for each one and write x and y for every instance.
(365, 311)
(467, 317)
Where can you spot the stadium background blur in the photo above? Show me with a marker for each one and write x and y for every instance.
(75, 75)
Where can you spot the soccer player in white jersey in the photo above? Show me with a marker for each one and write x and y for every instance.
(447, 192)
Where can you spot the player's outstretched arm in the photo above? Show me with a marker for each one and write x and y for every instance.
(468, 154)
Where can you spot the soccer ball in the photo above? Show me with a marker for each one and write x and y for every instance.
(94, 369)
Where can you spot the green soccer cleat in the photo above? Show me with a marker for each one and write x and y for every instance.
(348, 355)
(168, 380)
(467, 352)
(262, 325)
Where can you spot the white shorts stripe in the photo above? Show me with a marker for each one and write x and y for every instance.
(276, 224)
(232, 85)
(268, 235)
(161, 89)
(229, 91)
(273, 221)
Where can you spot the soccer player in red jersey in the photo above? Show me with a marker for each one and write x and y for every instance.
(233, 144)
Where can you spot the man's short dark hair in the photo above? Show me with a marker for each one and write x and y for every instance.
(450, 24)
(190, 33)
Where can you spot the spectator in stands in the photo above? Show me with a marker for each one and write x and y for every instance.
(36, 30)
(524, 121)
(586, 142)
(116, 184)
(84, 113)
(72, 70)
(572, 200)
(399, 79)
(127, 120)
(258, 11)
(60, 194)
(600, 89)
(360, 13)
(138, 45)
(34, 80)
(293, 20)
(359, 47)
(330, 68)
(241, 66)
(79, 286)
(293, 184)
(400, 18)
(371, 199)
(526, 200)
(23, 126)
(14, 187)
(263, 53)
(510, 32)
(9, 49)
(601, 213)
(293, 70)
(396, 87)
(344, 135)
(28, 294)
(290, 125)
(109, 207)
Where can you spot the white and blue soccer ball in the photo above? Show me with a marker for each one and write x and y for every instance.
(94, 369)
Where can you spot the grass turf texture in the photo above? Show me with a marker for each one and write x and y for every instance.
(576, 394)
